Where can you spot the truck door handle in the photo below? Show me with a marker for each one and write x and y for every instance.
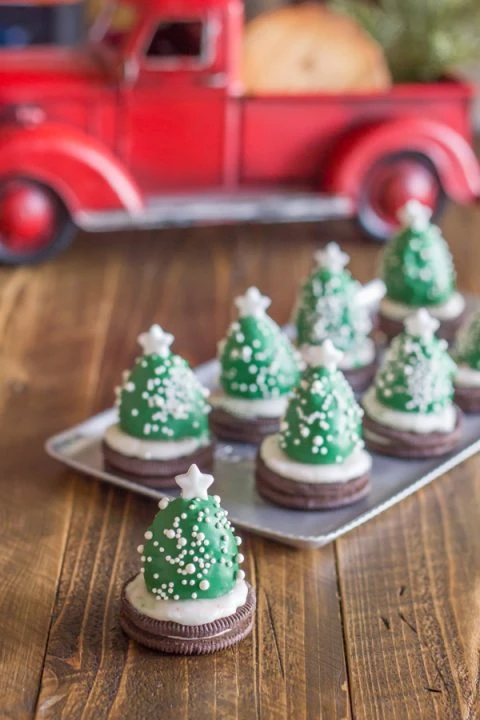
(213, 80)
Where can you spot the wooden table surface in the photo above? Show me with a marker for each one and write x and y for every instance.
(384, 623)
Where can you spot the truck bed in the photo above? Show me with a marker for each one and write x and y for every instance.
(287, 138)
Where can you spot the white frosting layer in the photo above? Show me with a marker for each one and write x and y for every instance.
(467, 377)
(263, 407)
(150, 449)
(452, 308)
(273, 456)
(411, 422)
(185, 612)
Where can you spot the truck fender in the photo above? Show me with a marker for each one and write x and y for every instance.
(79, 168)
(450, 154)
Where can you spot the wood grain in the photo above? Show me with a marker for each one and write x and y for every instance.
(382, 625)
(293, 665)
(47, 354)
(412, 614)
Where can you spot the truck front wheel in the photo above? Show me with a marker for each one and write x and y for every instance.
(34, 223)
(389, 184)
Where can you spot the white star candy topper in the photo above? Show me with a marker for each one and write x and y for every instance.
(156, 341)
(325, 355)
(252, 303)
(415, 215)
(331, 257)
(194, 484)
(421, 324)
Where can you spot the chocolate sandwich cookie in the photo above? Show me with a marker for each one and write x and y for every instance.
(157, 473)
(391, 328)
(360, 378)
(468, 398)
(174, 638)
(308, 496)
(401, 443)
(258, 369)
(233, 428)
(190, 596)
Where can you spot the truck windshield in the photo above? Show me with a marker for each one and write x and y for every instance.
(23, 25)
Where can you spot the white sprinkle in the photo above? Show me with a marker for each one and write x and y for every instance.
(140, 549)
(204, 585)
(190, 568)
(148, 535)
(169, 533)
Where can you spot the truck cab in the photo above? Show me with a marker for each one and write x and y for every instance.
(178, 75)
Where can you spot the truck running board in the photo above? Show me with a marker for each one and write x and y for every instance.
(182, 210)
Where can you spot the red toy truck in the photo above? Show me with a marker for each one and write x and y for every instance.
(150, 127)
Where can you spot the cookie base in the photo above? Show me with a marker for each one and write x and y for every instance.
(447, 329)
(230, 427)
(468, 399)
(360, 378)
(174, 638)
(157, 473)
(308, 496)
(403, 444)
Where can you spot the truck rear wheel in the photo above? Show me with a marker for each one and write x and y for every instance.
(34, 223)
(389, 184)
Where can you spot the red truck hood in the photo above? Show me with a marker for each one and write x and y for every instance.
(52, 70)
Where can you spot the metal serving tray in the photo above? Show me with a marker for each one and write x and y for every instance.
(392, 479)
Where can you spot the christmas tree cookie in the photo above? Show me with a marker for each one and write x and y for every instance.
(190, 596)
(259, 368)
(162, 416)
(466, 354)
(317, 460)
(329, 306)
(418, 272)
(409, 410)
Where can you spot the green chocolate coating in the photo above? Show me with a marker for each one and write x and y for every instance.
(328, 308)
(467, 348)
(257, 360)
(418, 268)
(323, 422)
(416, 376)
(204, 540)
(161, 399)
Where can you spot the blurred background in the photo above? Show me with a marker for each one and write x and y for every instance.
(329, 69)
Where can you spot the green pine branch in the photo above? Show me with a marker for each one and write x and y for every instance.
(421, 38)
